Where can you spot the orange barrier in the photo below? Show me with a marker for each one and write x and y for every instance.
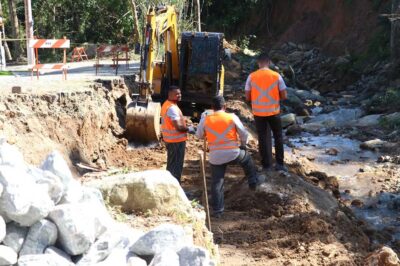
(115, 51)
(50, 44)
(79, 54)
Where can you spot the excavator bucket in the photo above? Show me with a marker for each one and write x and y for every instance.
(142, 121)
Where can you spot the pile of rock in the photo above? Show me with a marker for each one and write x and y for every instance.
(49, 218)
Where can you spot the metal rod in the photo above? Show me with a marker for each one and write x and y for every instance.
(202, 155)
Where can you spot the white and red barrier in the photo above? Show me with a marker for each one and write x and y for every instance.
(50, 44)
(115, 51)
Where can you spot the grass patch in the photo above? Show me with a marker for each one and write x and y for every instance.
(5, 73)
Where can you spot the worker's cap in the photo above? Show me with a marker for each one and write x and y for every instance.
(218, 102)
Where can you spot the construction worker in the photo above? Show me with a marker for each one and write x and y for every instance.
(227, 138)
(264, 89)
(174, 132)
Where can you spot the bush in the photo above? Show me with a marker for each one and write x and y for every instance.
(388, 101)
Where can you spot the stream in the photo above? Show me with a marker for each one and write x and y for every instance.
(354, 168)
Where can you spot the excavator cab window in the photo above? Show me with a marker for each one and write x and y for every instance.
(201, 55)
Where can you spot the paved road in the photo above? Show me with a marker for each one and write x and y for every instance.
(80, 76)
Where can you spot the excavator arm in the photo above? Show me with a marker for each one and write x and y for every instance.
(161, 25)
(143, 114)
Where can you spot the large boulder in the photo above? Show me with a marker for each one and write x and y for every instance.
(56, 164)
(76, 225)
(117, 237)
(15, 236)
(58, 252)
(338, 118)
(43, 260)
(155, 190)
(368, 121)
(10, 155)
(193, 256)
(2, 229)
(384, 256)
(165, 236)
(49, 181)
(41, 235)
(288, 119)
(23, 201)
(166, 258)
(7, 256)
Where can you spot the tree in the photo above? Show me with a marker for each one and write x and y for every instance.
(3, 32)
(395, 32)
(12, 10)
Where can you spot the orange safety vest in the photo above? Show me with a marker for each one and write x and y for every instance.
(221, 131)
(169, 133)
(264, 92)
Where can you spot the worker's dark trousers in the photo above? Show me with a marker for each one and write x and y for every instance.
(264, 125)
(217, 178)
(175, 157)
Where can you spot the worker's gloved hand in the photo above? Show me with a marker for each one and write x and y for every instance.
(243, 147)
(191, 130)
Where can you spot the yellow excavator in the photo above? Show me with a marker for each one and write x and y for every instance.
(195, 65)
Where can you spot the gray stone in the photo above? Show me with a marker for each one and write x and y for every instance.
(393, 118)
(118, 236)
(10, 155)
(167, 257)
(368, 121)
(136, 261)
(2, 229)
(93, 199)
(58, 252)
(76, 227)
(7, 256)
(160, 238)
(23, 201)
(338, 118)
(43, 260)
(155, 190)
(288, 119)
(56, 164)
(193, 256)
(15, 236)
(50, 181)
(373, 144)
(41, 235)
(118, 256)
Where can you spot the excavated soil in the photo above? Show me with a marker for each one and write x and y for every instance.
(87, 127)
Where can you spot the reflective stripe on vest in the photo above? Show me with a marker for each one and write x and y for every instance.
(227, 139)
(264, 93)
(169, 133)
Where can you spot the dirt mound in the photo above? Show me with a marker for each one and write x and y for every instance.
(289, 222)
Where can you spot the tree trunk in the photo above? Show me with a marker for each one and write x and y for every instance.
(395, 33)
(6, 49)
(136, 32)
(198, 15)
(17, 51)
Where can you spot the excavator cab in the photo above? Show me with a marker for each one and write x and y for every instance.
(201, 70)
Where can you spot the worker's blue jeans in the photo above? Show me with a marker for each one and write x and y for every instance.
(217, 179)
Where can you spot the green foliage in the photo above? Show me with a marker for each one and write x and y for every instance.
(5, 73)
(389, 100)
(390, 124)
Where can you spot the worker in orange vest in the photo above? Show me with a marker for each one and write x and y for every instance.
(227, 138)
(174, 132)
(264, 89)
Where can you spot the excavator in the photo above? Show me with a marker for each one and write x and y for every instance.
(192, 61)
